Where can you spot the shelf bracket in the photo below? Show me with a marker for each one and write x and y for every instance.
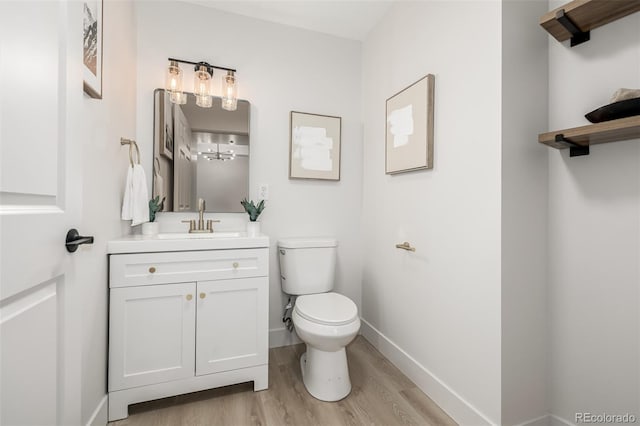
(577, 36)
(575, 150)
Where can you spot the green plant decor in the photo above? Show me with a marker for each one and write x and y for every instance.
(253, 210)
(155, 205)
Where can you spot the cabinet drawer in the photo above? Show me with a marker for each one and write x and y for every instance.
(171, 267)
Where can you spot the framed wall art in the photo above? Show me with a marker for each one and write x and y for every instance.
(92, 48)
(314, 146)
(409, 128)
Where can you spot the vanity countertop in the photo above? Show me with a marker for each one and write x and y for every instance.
(184, 242)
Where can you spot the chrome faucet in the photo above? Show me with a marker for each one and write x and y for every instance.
(200, 214)
(200, 228)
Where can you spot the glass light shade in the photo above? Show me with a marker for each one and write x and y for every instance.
(179, 98)
(229, 92)
(202, 87)
(204, 101)
(173, 83)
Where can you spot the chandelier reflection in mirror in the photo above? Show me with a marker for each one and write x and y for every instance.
(223, 147)
(202, 87)
(218, 154)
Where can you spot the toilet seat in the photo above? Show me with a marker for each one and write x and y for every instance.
(326, 308)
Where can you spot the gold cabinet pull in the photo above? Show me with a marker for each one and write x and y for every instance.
(235, 265)
(152, 269)
(203, 295)
(189, 296)
(405, 246)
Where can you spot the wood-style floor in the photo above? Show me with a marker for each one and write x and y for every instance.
(380, 395)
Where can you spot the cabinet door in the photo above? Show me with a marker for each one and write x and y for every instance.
(232, 324)
(152, 334)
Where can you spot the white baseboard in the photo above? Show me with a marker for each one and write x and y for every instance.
(282, 337)
(538, 421)
(100, 415)
(453, 404)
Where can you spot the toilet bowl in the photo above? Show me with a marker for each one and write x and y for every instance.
(326, 322)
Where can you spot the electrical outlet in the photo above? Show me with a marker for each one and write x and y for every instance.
(263, 191)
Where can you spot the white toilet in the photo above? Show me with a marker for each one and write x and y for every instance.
(324, 320)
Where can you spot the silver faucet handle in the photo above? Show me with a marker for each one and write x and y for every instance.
(201, 204)
(192, 224)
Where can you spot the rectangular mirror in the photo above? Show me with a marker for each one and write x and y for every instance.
(200, 153)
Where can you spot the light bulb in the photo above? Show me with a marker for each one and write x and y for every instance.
(229, 92)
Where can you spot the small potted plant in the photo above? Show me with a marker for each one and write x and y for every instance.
(152, 227)
(253, 226)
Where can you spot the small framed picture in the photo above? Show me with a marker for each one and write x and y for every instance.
(314, 146)
(409, 134)
(92, 48)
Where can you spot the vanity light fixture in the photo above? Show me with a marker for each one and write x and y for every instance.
(201, 84)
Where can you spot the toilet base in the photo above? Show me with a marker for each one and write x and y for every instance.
(325, 374)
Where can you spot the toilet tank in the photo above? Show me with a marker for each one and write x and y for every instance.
(307, 265)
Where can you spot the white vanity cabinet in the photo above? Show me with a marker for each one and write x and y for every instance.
(186, 321)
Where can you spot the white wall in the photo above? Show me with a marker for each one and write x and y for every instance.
(524, 212)
(280, 69)
(441, 305)
(104, 166)
(594, 232)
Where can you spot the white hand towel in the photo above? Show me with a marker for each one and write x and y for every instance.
(140, 196)
(126, 201)
(135, 205)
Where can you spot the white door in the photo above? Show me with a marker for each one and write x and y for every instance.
(232, 322)
(151, 334)
(40, 105)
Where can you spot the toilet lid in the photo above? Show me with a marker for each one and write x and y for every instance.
(326, 308)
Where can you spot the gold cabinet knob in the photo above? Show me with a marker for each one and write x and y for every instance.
(189, 296)
(235, 265)
(152, 269)
(203, 295)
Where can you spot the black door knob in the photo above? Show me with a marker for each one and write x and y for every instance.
(74, 240)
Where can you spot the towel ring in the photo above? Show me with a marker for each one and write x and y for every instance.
(131, 144)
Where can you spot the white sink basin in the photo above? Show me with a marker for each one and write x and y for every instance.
(197, 236)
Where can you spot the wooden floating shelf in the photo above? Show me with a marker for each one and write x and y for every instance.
(580, 138)
(585, 15)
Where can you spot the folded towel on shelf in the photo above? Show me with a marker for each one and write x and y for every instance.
(624, 94)
(135, 204)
